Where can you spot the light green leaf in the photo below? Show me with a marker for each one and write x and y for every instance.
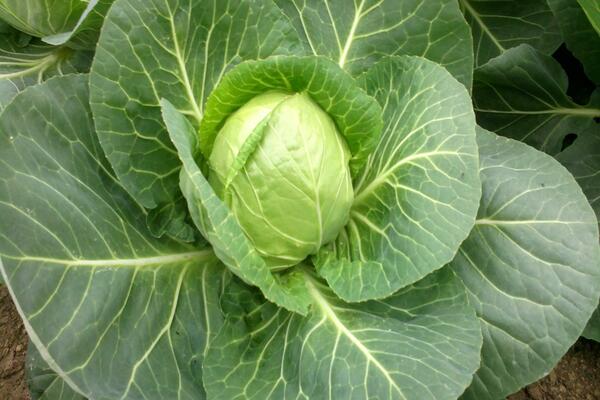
(219, 226)
(114, 312)
(582, 159)
(23, 65)
(531, 265)
(421, 343)
(500, 25)
(356, 115)
(358, 33)
(522, 95)
(579, 34)
(42, 18)
(417, 197)
(592, 10)
(153, 49)
(43, 382)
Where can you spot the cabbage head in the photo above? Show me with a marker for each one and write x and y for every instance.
(281, 166)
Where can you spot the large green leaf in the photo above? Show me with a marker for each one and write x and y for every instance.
(25, 61)
(356, 115)
(592, 10)
(113, 311)
(422, 343)
(531, 265)
(522, 94)
(43, 382)
(417, 197)
(500, 25)
(579, 34)
(42, 18)
(153, 49)
(219, 226)
(582, 159)
(358, 33)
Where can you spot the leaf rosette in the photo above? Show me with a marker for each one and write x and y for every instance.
(286, 199)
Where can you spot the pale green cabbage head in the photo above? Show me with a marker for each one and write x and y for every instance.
(281, 166)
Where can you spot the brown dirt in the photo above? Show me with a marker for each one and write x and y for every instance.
(576, 377)
(13, 349)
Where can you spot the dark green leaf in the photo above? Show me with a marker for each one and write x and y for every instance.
(421, 343)
(114, 312)
(531, 265)
(356, 34)
(153, 49)
(417, 197)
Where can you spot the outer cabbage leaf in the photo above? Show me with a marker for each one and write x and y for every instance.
(418, 194)
(42, 18)
(421, 343)
(579, 34)
(43, 382)
(219, 226)
(582, 159)
(500, 25)
(153, 49)
(531, 265)
(522, 94)
(25, 61)
(358, 33)
(113, 311)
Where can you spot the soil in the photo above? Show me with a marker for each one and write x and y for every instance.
(576, 377)
(13, 349)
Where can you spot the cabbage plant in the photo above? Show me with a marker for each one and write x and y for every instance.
(290, 199)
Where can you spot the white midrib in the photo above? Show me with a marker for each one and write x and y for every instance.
(583, 112)
(351, 34)
(331, 316)
(483, 26)
(122, 262)
(182, 67)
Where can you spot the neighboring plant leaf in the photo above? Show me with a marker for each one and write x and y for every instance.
(580, 36)
(522, 94)
(422, 343)
(356, 34)
(219, 226)
(151, 49)
(42, 18)
(114, 312)
(29, 64)
(531, 265)
(87, 30)
(582, 159)
(592, 10)
(43, 382)
(417, 197)
(500, 25)
(356, 114)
